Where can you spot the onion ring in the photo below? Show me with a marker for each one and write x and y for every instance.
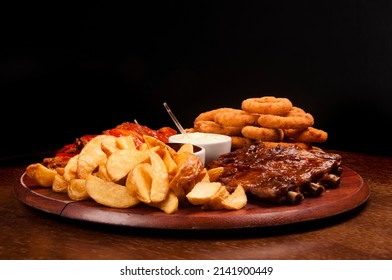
(295, 118)
(235, 117)
(238, 142)
(267, 105)
(213, 127)
(262, 133)
(309, 134)
(190, 130)
(210, 115)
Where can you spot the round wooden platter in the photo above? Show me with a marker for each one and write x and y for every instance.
(351, 193)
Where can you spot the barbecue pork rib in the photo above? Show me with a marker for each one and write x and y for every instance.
(282, 174)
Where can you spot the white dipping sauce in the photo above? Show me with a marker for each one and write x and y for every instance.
(214, 144)
(199, 137)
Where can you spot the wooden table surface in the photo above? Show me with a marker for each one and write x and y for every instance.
(362, 233)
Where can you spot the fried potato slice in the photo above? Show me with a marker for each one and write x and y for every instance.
(90, 156)
(121, 162)
(154, 142)
(216, 201)
(160, 178)
(185, 148)
(214, 173)
(143, 147)
(139, 182)
(203, 192)
(203, 176)
(109, 193)
(71, 168)
(181, 158)
(126, 142)
(237, 199)
(60, 185)
(77, 190)
(103, 172)
(109, 145)
(41, 174)
(171, 165)
(169, 205)
(189, 168)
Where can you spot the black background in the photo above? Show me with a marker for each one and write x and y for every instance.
(69, 68)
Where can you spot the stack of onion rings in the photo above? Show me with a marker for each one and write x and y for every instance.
(269, 119)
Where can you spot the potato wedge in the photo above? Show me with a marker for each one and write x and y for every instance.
(143, 147)
(139, 182)
(237, 199)
(71, 168)
(109, 145)
(169, 205)
(121, 162)
(214, 173)
(203, 176)
(160, 178)
(126, 143)
(109, 194)
(154, 142)
(90, 156)
(203, 192)
(215, 203)
(60, 185)
(171, 165)
(189, 168)
(185, 148)
(41, 174)
(181, 158)
(103, 172)
(77, 190)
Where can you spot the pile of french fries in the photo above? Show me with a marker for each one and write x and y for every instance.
(113, 172)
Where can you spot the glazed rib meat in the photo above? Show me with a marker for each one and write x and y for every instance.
(279, 174)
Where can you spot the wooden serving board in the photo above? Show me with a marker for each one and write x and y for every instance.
(351, 193)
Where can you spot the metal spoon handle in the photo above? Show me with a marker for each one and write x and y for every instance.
(176, 122)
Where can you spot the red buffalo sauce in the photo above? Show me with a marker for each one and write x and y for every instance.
(63, 155)
(137, 131)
